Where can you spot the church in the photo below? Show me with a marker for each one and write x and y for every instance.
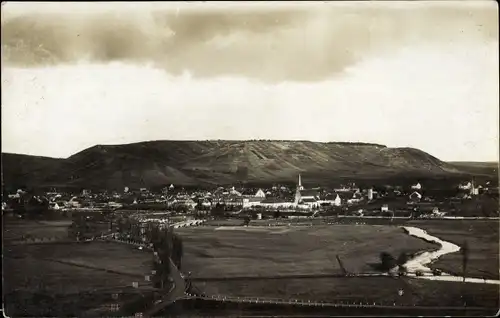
(306, 198)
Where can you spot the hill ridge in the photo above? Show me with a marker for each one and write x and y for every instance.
(190, 162)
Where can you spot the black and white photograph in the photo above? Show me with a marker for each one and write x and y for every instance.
(250, 158)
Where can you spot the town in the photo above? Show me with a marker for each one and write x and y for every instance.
(468, 199)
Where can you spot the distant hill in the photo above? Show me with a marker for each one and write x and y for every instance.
(476, 167)
(157, 163)
(19, 170)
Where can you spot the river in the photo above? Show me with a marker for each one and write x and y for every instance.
(420, 261)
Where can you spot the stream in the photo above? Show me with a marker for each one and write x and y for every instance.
(419, 262)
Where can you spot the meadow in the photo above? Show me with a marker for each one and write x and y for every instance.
(246, 251)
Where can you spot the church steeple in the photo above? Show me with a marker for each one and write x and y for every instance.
(300, 187)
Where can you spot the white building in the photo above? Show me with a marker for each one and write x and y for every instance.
(260, 194)
(370, 194)
(252, 201)
(234, 192)
(331, 199)
(465, 186)
(415, 196)
(417, 186)
(54, 206)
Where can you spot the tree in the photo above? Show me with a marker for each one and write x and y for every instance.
(465, 258)
(387, 261)
(277, 214)
(246, 221)
(218, 211)
(402, 259)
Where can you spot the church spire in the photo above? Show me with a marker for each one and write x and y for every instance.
(300, 187)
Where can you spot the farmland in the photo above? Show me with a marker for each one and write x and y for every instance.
(213, 252)
(54, 279)
(228, 251)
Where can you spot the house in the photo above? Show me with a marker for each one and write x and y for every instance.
(234, 192)
(276, 203)
(301, 195)
(309, 202)
(205, 203)
(260, 194)
(465, 186)
(415, 196)
(74, 202)
(355, 198)
(417, 186)
(187, 202)
(330, 199)
(252, 201)
(54, 206)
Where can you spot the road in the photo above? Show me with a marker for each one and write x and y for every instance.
(177, 292)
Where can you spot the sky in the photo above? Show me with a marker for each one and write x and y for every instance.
(403, 74)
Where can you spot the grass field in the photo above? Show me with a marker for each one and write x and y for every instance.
(38, 277)
(15, 229)
(252, 251)
(382, 290)
(247, 251)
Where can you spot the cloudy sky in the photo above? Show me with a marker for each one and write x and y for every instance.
(420, 74)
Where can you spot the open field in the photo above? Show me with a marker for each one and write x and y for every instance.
(15, 229)
(258, 251)
(248, 251)
(106, 255)
(382, 290)
(483, 241)
(73, 277)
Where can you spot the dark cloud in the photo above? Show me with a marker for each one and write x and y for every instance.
(303, 43)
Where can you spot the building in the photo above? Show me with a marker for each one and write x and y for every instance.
(234, 192)
(465, 186)
(330, 199)
(415, 196)
(260, 194)
(370, 194)
(252, 201)
(276, 203)
(417, 186)
(306, 198)
(356, 197)
(54, 206)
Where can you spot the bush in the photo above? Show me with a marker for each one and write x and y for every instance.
(387, 261)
